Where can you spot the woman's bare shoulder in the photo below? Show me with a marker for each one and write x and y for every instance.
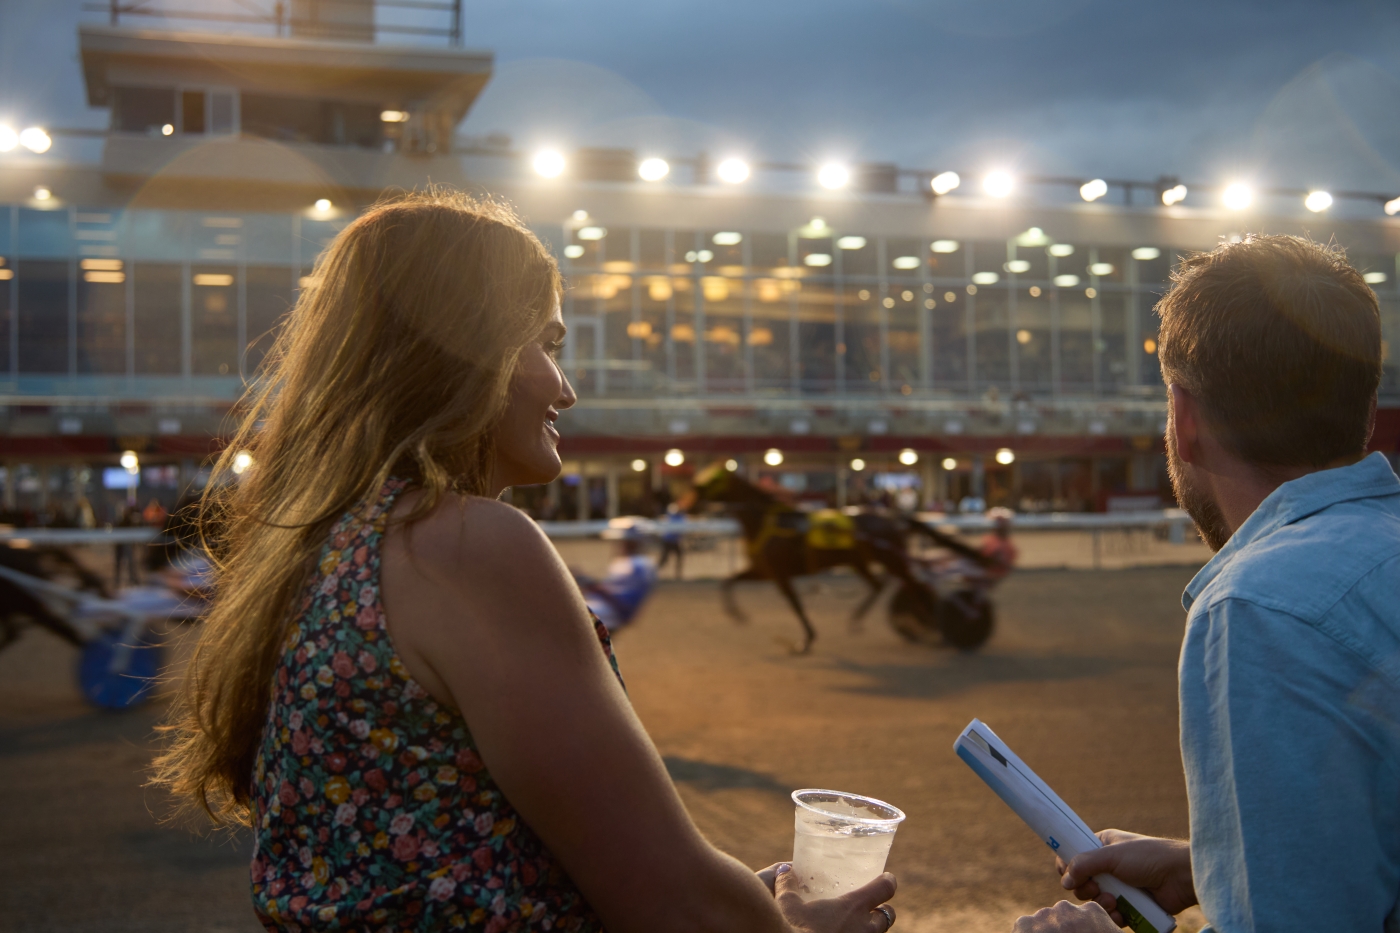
(471, 536)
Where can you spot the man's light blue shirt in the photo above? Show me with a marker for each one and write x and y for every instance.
(1290, 710)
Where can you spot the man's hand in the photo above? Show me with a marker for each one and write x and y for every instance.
(1065, 917)
(1161, 867)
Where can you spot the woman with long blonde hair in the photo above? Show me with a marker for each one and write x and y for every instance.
(398, 686)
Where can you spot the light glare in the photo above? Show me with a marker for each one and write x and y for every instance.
(727, 238)
(42, 194)
(1146, 253)
(1174, 195)
(998, 184)
(9, 139)
(241, 461)
(1093, 190)
(1005, 457)
(852, 242)
(129, 461)
(674, 457)
(1101, 268)
(323, 204)
(833, 175)
(773, 456)
(653, 169)
(1066, 281)
(1237, 196)
(393, 116)
(949, 464)
(1018, 266)
(733, 171)
(944, 182)
(1060, 250)
(944, 246)
(1317, 201)
(731, 465)
(857, 464)
(35, 139)
(985, 278)
(548, 163)
(639, 466)
(908, 456)
(1392, 207)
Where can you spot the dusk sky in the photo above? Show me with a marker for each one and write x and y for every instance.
(1295, 93)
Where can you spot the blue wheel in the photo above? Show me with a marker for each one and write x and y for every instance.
(118, 689)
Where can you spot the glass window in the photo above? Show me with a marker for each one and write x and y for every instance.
(214, 320)
(686, 343)
(1390, 334)
(157, 314)
(1149, 367)
(288, 119)
(1155, 264)
(989, 259)
(192, 112)
(769, 336)
(1032, 336)
(1109, 265)
(726, 249)
(1076, 340)
(905, 258)
(650, 332)
(724, 333)
(102, 318)
(270, 294)
(1028, 263)
(44, 234)
(950, 332)
(585, 247)
(862, 314)
(652, 252)
(43, 316)
(615, 305)
(947, 259)
(903, 336)
(858, 255)
(993, 340)
(7, 283)
(770, 253)
(142, 109)
(816, 335)
(1114, 308)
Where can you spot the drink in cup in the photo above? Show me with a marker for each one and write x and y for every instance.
(841, 841)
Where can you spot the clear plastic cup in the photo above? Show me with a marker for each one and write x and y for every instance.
(841, 840)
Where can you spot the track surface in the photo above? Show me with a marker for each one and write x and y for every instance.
(1079, 679)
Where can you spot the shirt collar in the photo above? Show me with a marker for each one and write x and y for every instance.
(1297, 499)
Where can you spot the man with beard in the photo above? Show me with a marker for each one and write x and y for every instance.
(1290, 669)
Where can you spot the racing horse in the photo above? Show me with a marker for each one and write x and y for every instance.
(783, 542)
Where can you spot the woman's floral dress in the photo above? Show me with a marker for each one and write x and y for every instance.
(373, 809)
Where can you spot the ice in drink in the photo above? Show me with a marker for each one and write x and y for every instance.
(841, 841)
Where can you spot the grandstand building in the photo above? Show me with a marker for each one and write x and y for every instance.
(844, 342)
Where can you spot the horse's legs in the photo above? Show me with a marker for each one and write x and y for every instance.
(876, 586)
(726, 589)
(810, 635)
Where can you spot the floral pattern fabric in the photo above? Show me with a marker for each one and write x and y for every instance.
(373, 809)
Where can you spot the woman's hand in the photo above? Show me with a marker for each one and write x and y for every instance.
(1161, 867)
(860, 911)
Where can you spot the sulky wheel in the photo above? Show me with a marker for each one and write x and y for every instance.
(913, 614)
(114, 674)
(966, 619)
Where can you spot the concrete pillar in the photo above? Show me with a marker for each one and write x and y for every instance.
(614, 501)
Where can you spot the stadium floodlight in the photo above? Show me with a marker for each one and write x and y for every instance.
(1005, 456)
(1392, 207)
(1146, 253)
(674, 457)
(639, 465)
(1317, 201)
(950, 464)
(773, 456)
(653, 169)
(1174, 195)
(857, 464)
(944, 182)
(9, 139)
(42, 193)
(548, 163)
(1237, 196)
(833, 175)
(1060, 250)
(998, 184)
(35, 139)
(908, 456)
(851, 242)
(733, 171)
(1093, 190)
(241, 461)
(129, 461)
(323, 204)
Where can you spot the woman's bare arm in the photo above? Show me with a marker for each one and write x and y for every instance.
(486, 617)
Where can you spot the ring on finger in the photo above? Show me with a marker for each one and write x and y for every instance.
(888, 911)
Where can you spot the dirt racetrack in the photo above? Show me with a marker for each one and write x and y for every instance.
(1079, 679)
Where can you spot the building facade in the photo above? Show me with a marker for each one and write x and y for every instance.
(844, 343)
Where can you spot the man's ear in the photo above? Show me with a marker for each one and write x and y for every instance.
(1185, 422)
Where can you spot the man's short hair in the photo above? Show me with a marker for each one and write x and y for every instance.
(1279, 340)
